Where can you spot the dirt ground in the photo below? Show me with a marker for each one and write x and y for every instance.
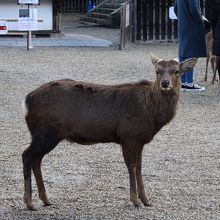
(181, 166)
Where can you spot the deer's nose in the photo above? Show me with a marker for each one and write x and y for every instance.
(165, 83)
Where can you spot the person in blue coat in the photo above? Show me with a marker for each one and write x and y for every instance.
(191, 34)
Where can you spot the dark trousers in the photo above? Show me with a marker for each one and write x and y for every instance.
(187, 77)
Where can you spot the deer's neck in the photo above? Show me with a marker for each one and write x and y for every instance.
(164, 106)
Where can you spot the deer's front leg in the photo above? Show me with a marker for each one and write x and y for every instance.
(140, 185)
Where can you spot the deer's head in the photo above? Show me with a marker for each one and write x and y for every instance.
(169, 72)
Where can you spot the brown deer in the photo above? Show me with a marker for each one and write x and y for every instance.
(85, 113)
(214, 60)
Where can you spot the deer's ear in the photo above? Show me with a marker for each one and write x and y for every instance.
(187, 64)
(154, 59)
(175, 59)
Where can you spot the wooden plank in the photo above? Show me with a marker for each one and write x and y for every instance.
(163, 19)
(134, 21)
(169, 21)
(74, 5)
(157, 19)
(125, 24)
(144, 18)
(151, 19)
(122, 24)
(139, 16)
(67, 5)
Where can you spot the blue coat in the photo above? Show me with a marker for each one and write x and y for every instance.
(216, 26)
(191, 29)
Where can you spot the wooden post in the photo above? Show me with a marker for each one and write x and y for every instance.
(134, 21)
(163, 20)
(125, 25)
(29, 40)
(122, 28)
(151, 19)
(138, 14)
(157, 19)
(169, 22)
(144, 18)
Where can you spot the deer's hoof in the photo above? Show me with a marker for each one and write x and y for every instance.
(136, 203)
(31, 208)
(144, 200)
(48, 204)
(147, 203)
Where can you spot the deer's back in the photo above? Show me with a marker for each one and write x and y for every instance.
(90, 112)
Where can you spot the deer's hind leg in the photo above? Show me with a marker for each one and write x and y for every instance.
(214, 68)
(206, 69)
(36, 166)
(27, 163)
(41, 144)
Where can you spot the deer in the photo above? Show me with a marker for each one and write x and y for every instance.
(214, 60)
(128, 114)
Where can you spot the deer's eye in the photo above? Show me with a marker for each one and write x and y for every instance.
(177, 72)
(157, 72)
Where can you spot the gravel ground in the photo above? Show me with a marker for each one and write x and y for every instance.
(181, 166)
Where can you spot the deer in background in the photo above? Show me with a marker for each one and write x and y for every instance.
(214, 60)
(86, 113)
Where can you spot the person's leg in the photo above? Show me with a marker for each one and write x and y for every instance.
(187, 77)
(187, 80)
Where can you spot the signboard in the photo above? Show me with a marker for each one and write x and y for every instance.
(28, 2)
(27, 19)
(3, 27)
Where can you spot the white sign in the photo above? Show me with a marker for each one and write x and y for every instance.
(28, 2)
(3, 27)
(127, 16)
(172, 14)
(27, 19)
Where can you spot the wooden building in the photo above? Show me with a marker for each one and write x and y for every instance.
(150, 18)
(48, 13)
